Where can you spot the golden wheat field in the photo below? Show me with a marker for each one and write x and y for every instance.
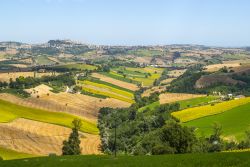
(173, 97)
(41, 138)
(198, 112)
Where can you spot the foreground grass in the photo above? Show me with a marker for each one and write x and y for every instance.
(185, 160)
(7, 154)
(199, 112)
(234, 122)
(10, 111)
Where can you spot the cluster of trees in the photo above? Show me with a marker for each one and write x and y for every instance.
(134, 132)
(154, 132)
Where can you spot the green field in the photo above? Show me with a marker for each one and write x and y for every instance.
(234, 122)
(196, 101)
(184, 103)
(190, 114)
(107, 90)
(78, 66)
(145, 52)
(146, 75)
(43, 60)
(181, 160)
(7, 154)
(10, 111)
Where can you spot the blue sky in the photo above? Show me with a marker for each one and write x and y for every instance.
(127, 22)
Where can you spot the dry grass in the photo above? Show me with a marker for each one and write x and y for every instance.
(173, 97)
(153, 90)
(41, 90)
(176, 73)
(216, 67)
(126, 85)
(167, 81)
(5, 77)
(41, 138)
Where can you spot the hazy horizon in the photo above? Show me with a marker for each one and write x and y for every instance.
(127, 23)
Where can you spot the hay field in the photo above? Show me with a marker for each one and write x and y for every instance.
(126, 85)
(207, 110)
(176, 73)
(167, 81)
(39, 138)
(174, 97)
(5, 77)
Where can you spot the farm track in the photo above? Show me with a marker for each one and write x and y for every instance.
(41, 138)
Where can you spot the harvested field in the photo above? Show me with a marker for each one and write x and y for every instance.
(153, 90)
(39, 138)
(77, 104)
(176, 73)
(126, 85)
(145, 60)
(19, 65)
(5, 77)
(174, 97)
(167, 81)
(41, 90)
(217, 67)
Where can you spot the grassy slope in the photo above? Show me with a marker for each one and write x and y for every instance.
(185, 160)
(199, 112)
(10, 111)
(234, 122)
(7, 154)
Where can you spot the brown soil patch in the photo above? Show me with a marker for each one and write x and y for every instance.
(173, 97)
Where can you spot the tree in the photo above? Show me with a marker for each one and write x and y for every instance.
(179, 138)
(215, 138)
(72, 146)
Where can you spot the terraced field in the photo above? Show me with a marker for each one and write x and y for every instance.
(207, 110)
(106, 90)
(10, 112)
(38, 138)
(234, 122)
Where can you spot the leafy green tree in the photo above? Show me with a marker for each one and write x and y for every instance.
(72, 146)
(180, 138)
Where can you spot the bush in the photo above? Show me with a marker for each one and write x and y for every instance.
(161, 149)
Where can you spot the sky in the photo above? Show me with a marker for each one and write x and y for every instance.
(127, 22)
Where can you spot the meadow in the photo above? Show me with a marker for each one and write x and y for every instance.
(212, 109)
(185, 160)
(234, 122)
(10, 111)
